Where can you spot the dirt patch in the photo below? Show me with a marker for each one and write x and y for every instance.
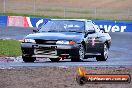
(56, 77)
(120, 4)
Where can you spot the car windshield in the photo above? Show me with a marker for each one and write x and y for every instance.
(63, 26)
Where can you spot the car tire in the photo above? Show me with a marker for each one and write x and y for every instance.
(55, 59)
(28, 59)
(80, 56)
(104, 54)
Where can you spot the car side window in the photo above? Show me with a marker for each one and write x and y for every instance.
(89, 26)
(97, 29)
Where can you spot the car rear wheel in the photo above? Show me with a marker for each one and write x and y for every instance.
(54, 59)
(104, 54)
(28, 59)
(80, 55)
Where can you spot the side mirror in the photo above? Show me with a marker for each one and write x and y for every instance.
(34, 30)
(89, 32)
(103, 30)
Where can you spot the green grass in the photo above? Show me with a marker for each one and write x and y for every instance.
(10, 48)
(60, 17)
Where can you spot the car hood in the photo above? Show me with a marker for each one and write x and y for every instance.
(57, 36)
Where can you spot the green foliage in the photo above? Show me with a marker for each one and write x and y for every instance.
(59, 17)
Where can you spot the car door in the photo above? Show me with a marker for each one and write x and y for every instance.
(92, 39)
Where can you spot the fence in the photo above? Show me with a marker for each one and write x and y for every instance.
(36, 7)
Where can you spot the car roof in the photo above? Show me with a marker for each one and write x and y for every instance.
(71, 19)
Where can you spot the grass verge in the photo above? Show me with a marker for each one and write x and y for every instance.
(61, 17)
(10, 48)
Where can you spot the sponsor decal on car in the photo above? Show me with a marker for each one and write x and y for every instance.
(93, 41)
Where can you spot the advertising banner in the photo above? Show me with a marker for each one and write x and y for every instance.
(110, 26)
(18, 21)
(114, 26)
(3, 20)
(36, 22)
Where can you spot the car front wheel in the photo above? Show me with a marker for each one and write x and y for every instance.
(80, 55)
(104, 54)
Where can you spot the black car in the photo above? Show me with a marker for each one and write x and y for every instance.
(75, 39)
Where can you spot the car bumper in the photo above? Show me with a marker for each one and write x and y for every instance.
(49, 51)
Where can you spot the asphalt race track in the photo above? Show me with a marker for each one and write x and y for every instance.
(120, 52)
